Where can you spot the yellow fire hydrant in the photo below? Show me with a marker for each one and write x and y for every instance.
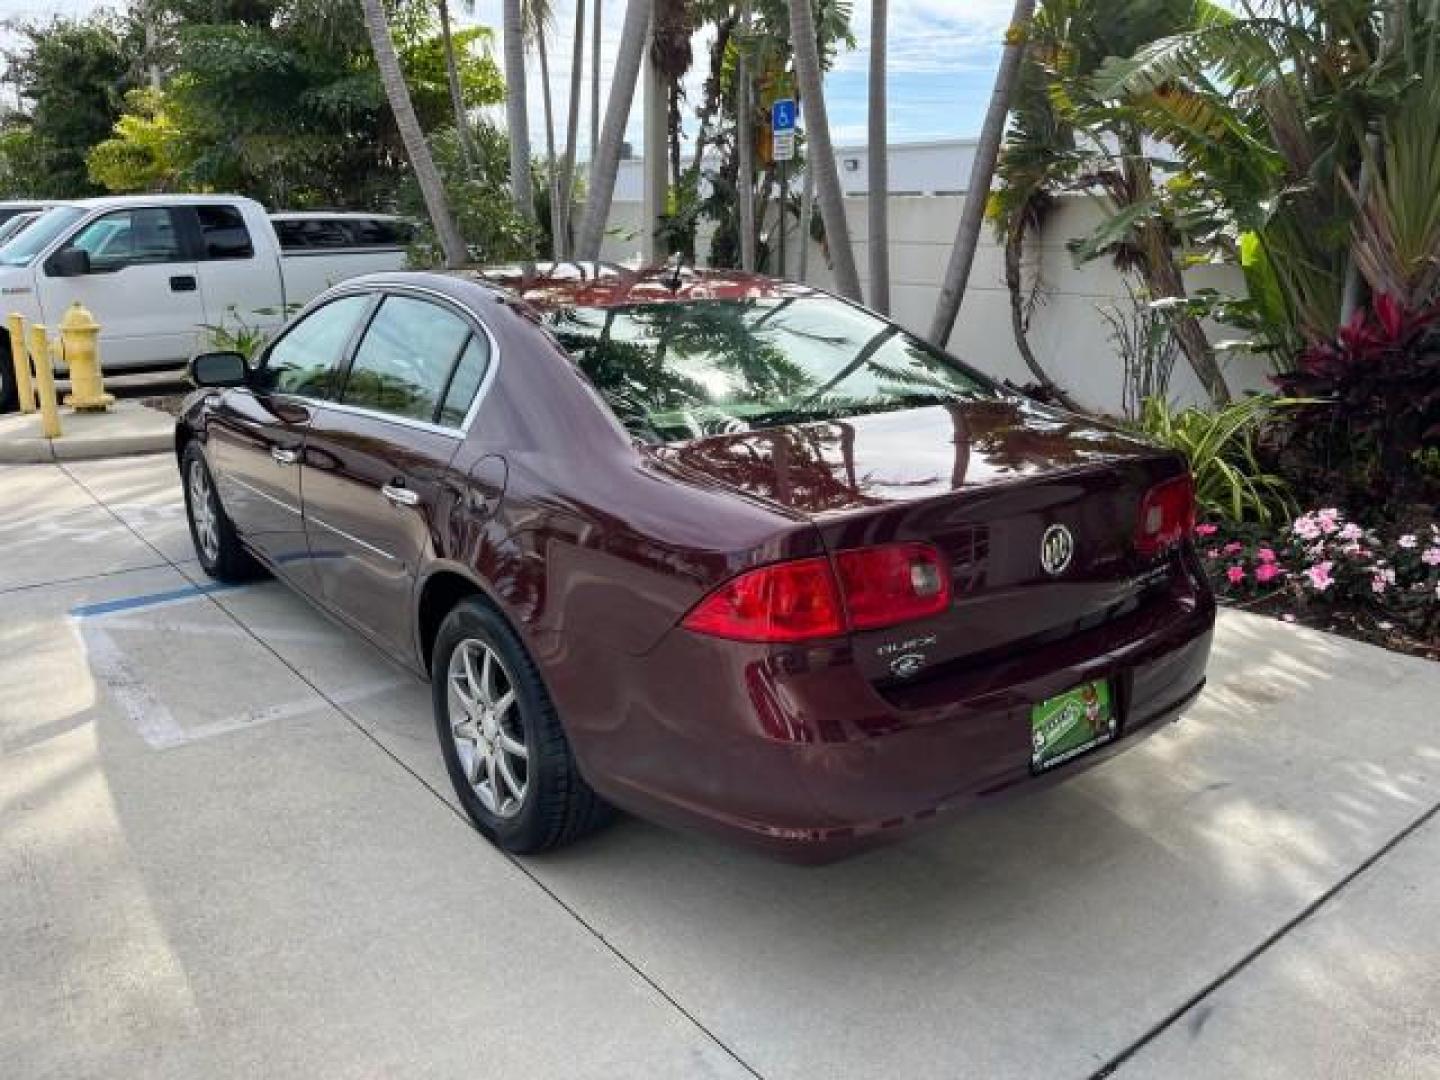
(80, 341)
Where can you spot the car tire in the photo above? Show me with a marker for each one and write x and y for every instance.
(9, 393)
(477, 727)
(217, 544)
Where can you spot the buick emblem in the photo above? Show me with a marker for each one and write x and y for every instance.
(1057, 548)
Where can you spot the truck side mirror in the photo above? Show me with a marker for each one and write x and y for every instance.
(72, 262)
(219, 369)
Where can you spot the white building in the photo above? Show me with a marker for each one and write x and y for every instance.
(921, 168)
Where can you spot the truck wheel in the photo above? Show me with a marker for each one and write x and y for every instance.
(9, 397)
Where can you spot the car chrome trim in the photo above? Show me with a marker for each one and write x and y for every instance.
(264, 495)
(400, 496)
(353, 539)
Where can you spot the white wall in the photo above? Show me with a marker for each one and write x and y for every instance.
(1067, 332)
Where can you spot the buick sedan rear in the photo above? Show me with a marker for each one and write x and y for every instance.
(724, 552)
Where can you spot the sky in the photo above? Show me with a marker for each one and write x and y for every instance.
(943, 55)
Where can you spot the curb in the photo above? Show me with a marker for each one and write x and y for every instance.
(157, 436)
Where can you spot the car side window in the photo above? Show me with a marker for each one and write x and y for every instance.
(223, 234)
(404, 362)
(306, 361)
(465, 383)
(141, 236)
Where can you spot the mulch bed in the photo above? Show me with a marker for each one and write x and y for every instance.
(1347, 620)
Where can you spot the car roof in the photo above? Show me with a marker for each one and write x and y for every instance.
(605, 285)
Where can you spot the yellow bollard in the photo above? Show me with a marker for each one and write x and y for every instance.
(23, 385)
(80, 342)
(45, 382)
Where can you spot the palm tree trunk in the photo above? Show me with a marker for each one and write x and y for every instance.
(807, 214)
(1019, 321)
(745, 145)
(982, 173)
(595, 84)
(879, 161)
(457, 96)
(517, 114)
(822, 150)
(572, 129)
(432, 189)
(634, 40)
(550, 170)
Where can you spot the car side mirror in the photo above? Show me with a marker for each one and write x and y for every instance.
(219, 369)
(72, 262)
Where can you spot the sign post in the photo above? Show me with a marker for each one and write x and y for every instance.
(782, 130)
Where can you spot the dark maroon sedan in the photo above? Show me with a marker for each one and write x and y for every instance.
(722, 551)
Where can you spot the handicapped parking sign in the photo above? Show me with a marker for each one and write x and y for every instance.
(782, 115)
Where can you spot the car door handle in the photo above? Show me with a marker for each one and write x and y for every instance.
(182, 283)
(400, 495)
(284, 457)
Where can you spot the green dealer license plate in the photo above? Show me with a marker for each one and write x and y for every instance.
(1069, 725)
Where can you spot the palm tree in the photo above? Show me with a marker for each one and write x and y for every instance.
(745, 143)
(634, 38)
(982, 172)
(822, 150)
(539, 21)
(572, 129)
(432, 189)
(595, 42)
(517, 113)
(457, 96)
(879, 160)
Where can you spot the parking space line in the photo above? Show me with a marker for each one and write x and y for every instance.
(130, 603)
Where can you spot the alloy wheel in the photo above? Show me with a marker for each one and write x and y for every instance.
(486, 727)
(203, 511)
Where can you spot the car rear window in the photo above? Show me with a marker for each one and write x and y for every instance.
(686, 370)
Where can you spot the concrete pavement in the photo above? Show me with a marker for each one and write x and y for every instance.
(128, 427)
(228, 846)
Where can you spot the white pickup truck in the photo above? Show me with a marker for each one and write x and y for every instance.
(156, 271)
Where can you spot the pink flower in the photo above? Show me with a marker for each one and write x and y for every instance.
(1266, 572)
(1328, 520)
(1351, 532)
(1265, 555)
(1381, 580)
(1319, 576)
(1235, 574)
(1431, 557)
(1305, 527)
(1408, 541)
(1234, 548)
(1213, 553)
(1206, 530)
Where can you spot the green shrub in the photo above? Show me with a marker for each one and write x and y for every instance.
(1230, 482)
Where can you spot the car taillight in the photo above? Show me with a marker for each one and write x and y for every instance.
(1167, 515)
(892, 584)
(807, 599)
(791, 601)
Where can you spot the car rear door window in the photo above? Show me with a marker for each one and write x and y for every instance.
(306, 361)
(465, 383)
(404, 363)
(223, 233)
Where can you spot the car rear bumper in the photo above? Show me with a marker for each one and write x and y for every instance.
(793, 751)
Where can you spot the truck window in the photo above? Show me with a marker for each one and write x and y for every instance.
(223, 233)
(335, 233)
(142, 236)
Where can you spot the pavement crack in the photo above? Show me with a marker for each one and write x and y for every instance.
(1301, 917)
